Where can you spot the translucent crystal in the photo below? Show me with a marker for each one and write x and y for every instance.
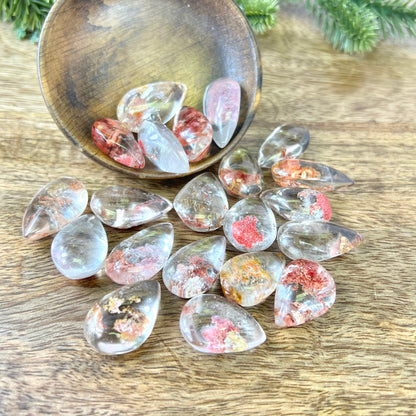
(240, 174)
(80, 248)
(292, 173)
(193, 269)
(250, 225)
(201, 204)
(55, 205)
(194, 132)
(316, 240)
(305, 291)
(140, 256)
(158, 101)
(299, 204)
(126, 207)
(212, 324)
(162, 148)
(222, 108)
(285, 142)
(249, 278)
(123, 320)
(118, 143)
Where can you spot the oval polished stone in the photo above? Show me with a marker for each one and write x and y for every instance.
(305, 291)
(249, 278)
(141, 256)
(118, 143)
(202, 203)
(158, 101)
(194, 268)
(125, 207)
(212, 324)
(316, 240)
(240, 174)
(54, 206)
(285, 142)
(123, 320)
(299, 204)
(79, 249)
(250, 225)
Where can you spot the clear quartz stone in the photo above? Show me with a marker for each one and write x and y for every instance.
(126, 207)
(123, 320)
(194, 268)
(141, 256)
(212, 324)
(54, 205)
(80, 248)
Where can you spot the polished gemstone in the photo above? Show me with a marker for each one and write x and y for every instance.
(305, 291)
(158, 101)
(162, 148)
(240, 174)
(296, 173)
(118, 143)
(126, 207)
(80, 248)
(194, 132)
(299, 204)
(285, 142)
(212, 324)
(123, 320)
(55, 205)
(316, 240)
(222, 108)
(250, 225)
(193, 269)
(202, 203)
(249, 278)
(141, 256)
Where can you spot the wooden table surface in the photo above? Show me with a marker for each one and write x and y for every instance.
(358, 359)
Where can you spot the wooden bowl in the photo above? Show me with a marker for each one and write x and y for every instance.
(92, 52)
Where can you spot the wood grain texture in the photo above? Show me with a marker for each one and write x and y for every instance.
(358, 359)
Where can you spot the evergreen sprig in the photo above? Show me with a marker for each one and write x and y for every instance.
(260, 13)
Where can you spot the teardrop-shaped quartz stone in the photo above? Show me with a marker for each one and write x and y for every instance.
(296, 173)
(222, 108)
(285, 142)
(118, 143)
(202, 203)
(249, 278)
(316, 240)
(162, 148)
(193, 269)
(299, 204)
(305, 291)
(125, 207)
(240, 174)
(80, 248)
(141, 256)
(212, 324)
(194, 132)
(158, 101)
(250, 225)
(123, 320)
(55, 205)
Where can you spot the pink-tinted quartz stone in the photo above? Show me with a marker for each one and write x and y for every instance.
(222, 108)
(55, 205)
(305, 291)
(212, 324)
(118, 143)
(194, 132)
(141, 256)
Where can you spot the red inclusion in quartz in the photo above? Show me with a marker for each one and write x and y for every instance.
(216, 334)
(246, 233)
(322, 201)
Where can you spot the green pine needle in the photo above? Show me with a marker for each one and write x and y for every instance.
(260, 13)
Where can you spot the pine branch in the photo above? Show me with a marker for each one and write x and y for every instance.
(260, 13)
